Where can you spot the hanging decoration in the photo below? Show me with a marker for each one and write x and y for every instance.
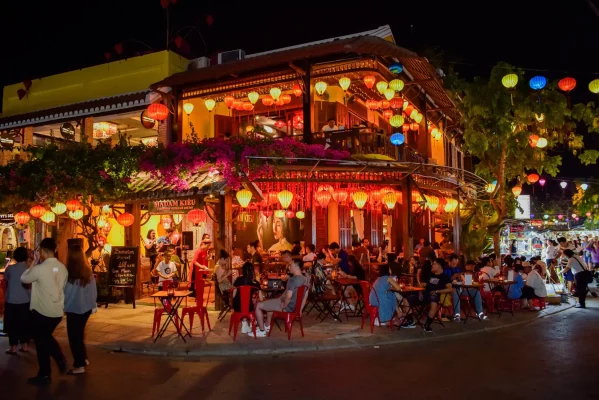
(73, 205)
(414, 114)
(414, 126)
(533, 178)
(381, 86)
(247, 106)
(37, 211)
(320, 87)
(369, 81)
(533, 140)
(387, 114)
(285, 197)
(397, 139)
(360, 198)
(101, 222)
(375, 196)
(567, 84)
(409, 109)
(389, 93)
(584, 187)
(537, 82)
(157, 111)
(297, 90)
(516, 190)
(418, 117)
(196, 216)
(395, 68)
(491, 187)
(340, 196)
(253, 97)
(451, 205)
(509, 81)
(59, 208)
(125, 219)
(594, 86)
(275, 92)
(560, 216)
(76, 215)
(237, 104)
(22, 217)
(344, 82)
(396, 103)
(268, 100)
(396, 121)
(280, 214)
(323, 197)
(300, 215)
(210, 104)
(432, 202)
(562, 184)
(244, 197)
(385, 104)
(289, 214)
(188, 108)
(542, 143)
(542, 182)
(405, 128)
(397, 85)
(390, 199)
(229, 100)
(286, 98)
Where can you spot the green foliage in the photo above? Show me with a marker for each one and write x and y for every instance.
(481, 221)
(589, 157)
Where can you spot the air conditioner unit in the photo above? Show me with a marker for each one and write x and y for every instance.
(197, 63)
(233, 55)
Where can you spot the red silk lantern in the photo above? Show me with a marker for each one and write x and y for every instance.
(290, 214)
(372, 104)
(286, 98)
(158, 111)
(385, 104)
(73, 205)
(229, 101)
(532, 140)
(125, 219)
(272, 198)
(533, 178)
(297, 90)
(414, 126)
(239, 105)
(405, 128)
(323, 197)
(37, 211)
(567, 84)
(369, 81)
(268, 100)
(236, 104)
(196, 216)
(247, 106)
(375, 196)
(340, 196)
(409, 109)
(396, 103)
(387, 114)
(22, 218)
(516, 190)
(267, 213)
(280, 102)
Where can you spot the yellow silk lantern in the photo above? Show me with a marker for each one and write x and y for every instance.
(300, 215)
(413, 114)
(244, 197)
(509, 81)
(280, 214)
(344, 82)
(381, 86)
(516, 190)
(320, 87)
(188, 108)
(210, 104)
(360, 198)
(451, 205)
(253, 97)
(594, 86)
(396, 84)
(389, 93)
(76, 215)
(275, 93)
(396, 121)
(285, 198)
(541, 143)
(390, 199)
(432, 202)
(48, 217)
(405, 105)
(59, 208)
(418, 118)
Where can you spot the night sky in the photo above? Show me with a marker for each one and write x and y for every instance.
(47, 37)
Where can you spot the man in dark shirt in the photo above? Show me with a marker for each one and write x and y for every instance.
(427, 252)
(453, 270)
(437, 284)
(341, 257)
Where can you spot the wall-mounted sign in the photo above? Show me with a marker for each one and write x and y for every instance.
(516, 228)
(67, 130)
(104, 130)
(6, 140)
(178, 206)
(524, 204)
(7, 219)
(146, 121)
(537, 223)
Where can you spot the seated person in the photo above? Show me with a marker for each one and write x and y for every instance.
(488, 271)
(453, 270)
(437, 284)
(472, 293)
(515, 289)
(382, 297)
(247, 279)
(534, 287)
(166, 269)
(284, 303)
(396, 267)
(352, 291)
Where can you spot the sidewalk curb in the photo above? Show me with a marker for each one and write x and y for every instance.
(244, 349)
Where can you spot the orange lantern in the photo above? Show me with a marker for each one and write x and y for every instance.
(369, 81)
(247, 106)
(297, 90)
(516, 190)
(396, 103)
(37, 211)
(229, 101)
(328, 188)
(533, 178)
(340, 196)
(272, 198)
(285, 197)
(390, 199)
(125, 219)
(414, 126)
(286, 98)
(196, 216)
(268, 100)
(236, 104)
(409, 109)
(532, 140)
(360, 198)
(416, 197)
(279, 102)
(386, 190)
(375, 196)
(371, 104)
(405, 128)
(73, 205)
(567, 84)
(323, 197)
(22, 218)
(384, 104)
(158, 111)
(387, 114)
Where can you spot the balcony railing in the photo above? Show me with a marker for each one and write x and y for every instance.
(357, 141)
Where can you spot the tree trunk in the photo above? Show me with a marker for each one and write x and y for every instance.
(502, 210)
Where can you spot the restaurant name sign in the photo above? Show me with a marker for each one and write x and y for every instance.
(7, 219)
(178, 206)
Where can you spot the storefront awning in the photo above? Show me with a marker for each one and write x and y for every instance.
(146, 187)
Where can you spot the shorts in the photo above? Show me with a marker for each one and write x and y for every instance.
(414, 299)
(569, 276)
(271, 305)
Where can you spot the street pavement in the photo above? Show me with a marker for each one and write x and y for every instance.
(552, 357)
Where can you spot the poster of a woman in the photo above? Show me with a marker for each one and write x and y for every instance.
(275, 234)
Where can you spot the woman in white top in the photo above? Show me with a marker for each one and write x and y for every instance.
(549, 252)
(581, 276)
(223, 272)
(534, 287)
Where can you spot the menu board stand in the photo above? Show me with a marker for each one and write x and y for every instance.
(122, 271)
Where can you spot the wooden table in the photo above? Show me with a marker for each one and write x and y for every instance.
(171, 307)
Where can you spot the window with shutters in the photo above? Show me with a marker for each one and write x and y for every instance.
(344, 227)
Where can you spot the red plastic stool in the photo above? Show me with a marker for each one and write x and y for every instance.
(539, 302)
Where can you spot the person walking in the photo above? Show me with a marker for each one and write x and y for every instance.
(581, 276)
(17, 316)
(80, 295)
(47, 281)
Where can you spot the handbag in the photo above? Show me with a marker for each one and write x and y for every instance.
(587, 273)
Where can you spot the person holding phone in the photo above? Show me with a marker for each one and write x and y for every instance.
(47, 280)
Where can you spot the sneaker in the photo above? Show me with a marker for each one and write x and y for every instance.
(536, 308)
(259, 333)
(376, 322)
(457, 317)
(408, 324)
(266, 328)
(579, 306)
(40, 380)
(77, 371)
(86, 362)
(245, 327)
(482, 317)
(427, 329)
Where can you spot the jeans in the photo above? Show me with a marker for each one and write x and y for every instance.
(17, 323)
(76, 332)
(582, 282)
(472, 293)
(45, 344)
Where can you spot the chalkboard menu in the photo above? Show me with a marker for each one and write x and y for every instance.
(123, 266)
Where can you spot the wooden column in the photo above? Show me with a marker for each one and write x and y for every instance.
(307, 106)
(224, 237)
(407, 222)
(87, 130)
(135, 241)
(457, 227)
